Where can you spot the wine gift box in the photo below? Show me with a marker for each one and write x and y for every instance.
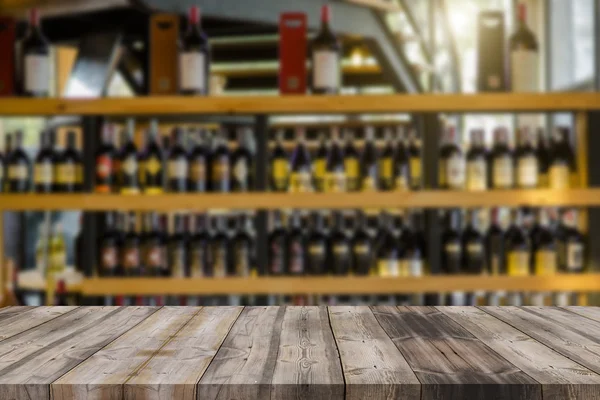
(164, 34)
(7, 49)
(292, 53)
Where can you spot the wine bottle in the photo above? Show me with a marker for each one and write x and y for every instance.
(199, 163)
(543, 157)
(198, 248)
(177, 248)
(524, 56)
(57, 256)
(544, 247)
(518, 247)
(473, 246)
(501, 161)
(477, 175)
(495, 245)
(109, 247)
(411, 256)
(151, 163)
(335, 177)
(385, 164)
(220, 249)
(277, 247)
(362, 248)
(368, 162)
(452, 250)
(36, 59)
(130, 250)
(351, 162)
(19, 167)
(128, 162)
(220, 165)
(105, 155)
(279, 166)
(414, 154)
(340, 253)
(571, 244)
(325, 58)
(194, 57)
(451, 162)
(402, 174)
(562, 160)
(69, 168)
(527, 161)
(43, 174)
(300, 178)
(296, 246)
(154, 247)
(317, 246)
(177, 171)
(242, 173)
(388, 253)
(244, 260)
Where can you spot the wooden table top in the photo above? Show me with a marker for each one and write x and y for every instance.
(337, 352)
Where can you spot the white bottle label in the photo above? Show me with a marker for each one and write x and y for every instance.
(456, 172)
(559, 176)
(574, 256)
(476, 175)
(503, 172)
(326, 69)
(191, 71)
(178, 169)
(527, 172)
(37, 73)
(524, 70)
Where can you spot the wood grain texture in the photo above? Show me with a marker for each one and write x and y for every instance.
(372, 365)
(561, 378)
(571, 335)
(244, 365)
(589, 312)
(176, 369)
(103, 375)
(449, 361)
(16, 319)
(308, 365)
(31, 361)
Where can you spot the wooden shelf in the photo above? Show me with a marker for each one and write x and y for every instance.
(509, 102)
(33, 280)
(273, 201)
(335, 285)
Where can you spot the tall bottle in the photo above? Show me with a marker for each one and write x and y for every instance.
(130, 250)
(340, 254)
(19, 167)
(495, 245)
(473, 246)
(501, 161)
(571, 244)
(562, 160)
(326, 58)
(414, 154)
(69, 168)
(244, 260)
(194, 57)
(388, 252)
(57, 256)
(524, 56)
(177, 170)
(220, 248)
(43, 174)
(411, 256)
(296, 246)
(385, 164)
(177, 248)
(220, 165)
(335, 177)
(477, 174)
(279, 165)
(109, 247)
(351, 162)
(199, 163)
(36, 59)
(105, 158)
(451, 162)
(319, 166)
(545, 260)
(277, 247)
(154, 247)
(242, 172)
(198, 248)
(317, 246)
(128, 162)
(402, 175)
(368, 162)
(543, 157)
(362, 247)
(518, 247)
(300, 175)
(151, 165)
(527, 161)
(452, 251)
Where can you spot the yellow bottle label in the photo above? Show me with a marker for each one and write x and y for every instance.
(352, 168)
(280, 170)
(17, 172)
(335, 182)
(558, 177)
(300, 182)
(66, 173)
(319, 167)
(518, 263)
(43, 174)
(388, 268)
(545, 262)
(198, 172)
(386, 168)
(415, 170)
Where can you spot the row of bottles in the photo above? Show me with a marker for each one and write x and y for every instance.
(339, 166)
(535, 161)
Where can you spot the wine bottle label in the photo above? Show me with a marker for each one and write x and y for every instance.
(326, 69)
(527, 172)
(524, 70)
(370, 179)
(220, 262)
(220, 170)
(415, 171)
(177, 262)
(502, 170)
(352, 168)
(37, 73)
(559, 176)
(296, 258)
(66, 173)
(401, 183)
(574, 257)
(415, 267)
(58, 260)
(276, 261)
(545, 262)
(386, 170)
(131, 257)
(518, 263)
(197, 262)
(452, 248)
(103, 167)
(192, 73)
(129, 167)
(335, 182)
(455, 172)
(316, 249)
(178, 169)
(476, 175)
(341, 249)
(388, 268)
(17, 172)
(474, 248)
(242, 261)
(155, 257)
(198, 171)
(151, 166)
(280, 170)
(241, 173)
(300, 182)
(109, 258)
(43, 173)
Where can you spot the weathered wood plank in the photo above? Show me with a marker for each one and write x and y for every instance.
(308, 365)
(13, 322)
(103, 375)
(244, 365)
(174, 371)
(589, 312)
(11, 311)
(31, 361)
(561, 378)
(449, 361)
(372, 365)
(571, 335)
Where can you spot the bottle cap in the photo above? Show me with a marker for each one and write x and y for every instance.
(194, 14)
(34, 17)
(325, 13)
(522, 12)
